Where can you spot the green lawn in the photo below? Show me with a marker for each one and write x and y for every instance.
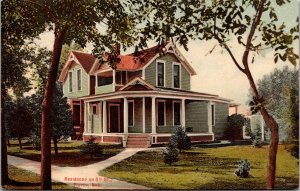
(25, 180)
(206, 168)
(68, 153)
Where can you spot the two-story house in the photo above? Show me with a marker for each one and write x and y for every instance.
(138, 103)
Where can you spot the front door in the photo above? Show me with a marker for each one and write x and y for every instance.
(114, 118)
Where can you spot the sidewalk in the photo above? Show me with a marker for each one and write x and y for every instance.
(85, 177)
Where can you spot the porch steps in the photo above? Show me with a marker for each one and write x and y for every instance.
(137, 141)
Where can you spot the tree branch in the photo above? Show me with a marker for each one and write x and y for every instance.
(252, 31)
(45, 8)
(230, 53)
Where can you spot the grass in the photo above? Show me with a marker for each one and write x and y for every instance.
(68, 154)
(25, 180)
(206, 168)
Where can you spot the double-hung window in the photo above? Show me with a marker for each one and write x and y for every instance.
(79, 79)
(70, 82)
(160, 74)
(176, 75)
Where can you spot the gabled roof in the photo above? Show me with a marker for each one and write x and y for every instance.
(137, 84)
(84, 59)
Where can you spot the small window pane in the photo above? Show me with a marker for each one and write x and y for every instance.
(70, 82)
(79, 79)
(176, 76)
(160, 74)
(130, 113)
(176, 113)
(161, 113)
(94, 109)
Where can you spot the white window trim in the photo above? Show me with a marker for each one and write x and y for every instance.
(69, 82)
(165, 111)
(80, 80)
(163, 62)
(176, 101)
(178, 64)
(213, 114)
(129, 101)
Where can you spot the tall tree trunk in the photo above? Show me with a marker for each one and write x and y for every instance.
(47, 111)
(4, 171)
(55, 145)
(271, 123)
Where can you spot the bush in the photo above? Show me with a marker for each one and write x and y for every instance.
(235, 122)
(36, 142)
(189, 129)
(91, 148)
(256, 138)
(170, 155)
(243, 169)
(295, 151)
(179, 139)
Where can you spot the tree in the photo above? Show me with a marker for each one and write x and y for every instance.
(71, 20)
(20, 119)
(179, 140)
(254, 24)
(280, 90)
(62, 118)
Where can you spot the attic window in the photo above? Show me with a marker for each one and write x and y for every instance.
(176, 76)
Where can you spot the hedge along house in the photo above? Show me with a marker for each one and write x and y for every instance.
(138, 103)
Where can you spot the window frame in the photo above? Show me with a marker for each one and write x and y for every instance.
(78, 79)
(131, 101)
(70, 81)
(164, 75)
(173, 111)
(173, 81)
(161, 101)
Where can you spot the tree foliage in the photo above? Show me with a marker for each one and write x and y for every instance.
(179, 139)
(91, 148)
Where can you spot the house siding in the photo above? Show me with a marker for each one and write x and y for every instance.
(150, 72)
(221, 114)
(84, 83)
(196, 116)
(104, 89)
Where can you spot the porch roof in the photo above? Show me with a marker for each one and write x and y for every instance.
(166, 93)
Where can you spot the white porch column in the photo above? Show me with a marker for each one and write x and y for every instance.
(101, 116)
(114, 80)
(209, 114)
(153, 117)
(143, 115)
(85, 117)
(104, 117)
(125, 115)
(183, 114)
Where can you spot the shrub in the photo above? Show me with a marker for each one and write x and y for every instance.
(36, 142)
(170, 155)
(243, 169)
(235, 122)
(256, 138)
(295, 151)
(189, 129)
(91, 148)
(179, 139)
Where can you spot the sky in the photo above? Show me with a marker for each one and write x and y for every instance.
(216, 72)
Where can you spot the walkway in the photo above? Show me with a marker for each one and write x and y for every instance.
(85, 177)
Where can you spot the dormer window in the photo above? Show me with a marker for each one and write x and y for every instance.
(160, 74)
(176, 75)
